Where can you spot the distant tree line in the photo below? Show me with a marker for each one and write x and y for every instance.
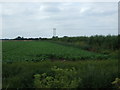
(22, 38)
(93, 43)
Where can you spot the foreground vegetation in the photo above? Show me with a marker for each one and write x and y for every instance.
(68, 62)
(91, 74)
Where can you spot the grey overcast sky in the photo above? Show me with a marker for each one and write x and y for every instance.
(70, 19)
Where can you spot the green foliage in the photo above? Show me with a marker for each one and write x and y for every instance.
(42, 81)
(93, 73)
(97, 43)
(63, 78)
(24, 59)
(36, 51)
(116, 83)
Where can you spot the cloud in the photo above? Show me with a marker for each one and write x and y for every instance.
(82, 10)
(49, 8)
(38, 19)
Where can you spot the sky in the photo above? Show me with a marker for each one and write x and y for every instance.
(69, 19)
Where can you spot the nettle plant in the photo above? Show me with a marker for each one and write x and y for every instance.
(63, 78)
(116, 83)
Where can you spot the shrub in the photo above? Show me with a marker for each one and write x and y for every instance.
(116, 83)
(63, 78)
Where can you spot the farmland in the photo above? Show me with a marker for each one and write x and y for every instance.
(45, 63)
(42, 50)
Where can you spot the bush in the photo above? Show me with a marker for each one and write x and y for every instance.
(116, 83)
(63, 78)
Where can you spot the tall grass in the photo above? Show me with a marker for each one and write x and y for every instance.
(93, 74)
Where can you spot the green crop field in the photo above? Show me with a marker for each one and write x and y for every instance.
(59, 45)
(43, 50)
(44, 64)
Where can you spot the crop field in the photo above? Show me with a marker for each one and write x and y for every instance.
(60, 45)
(44, 64)
(43, 50)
